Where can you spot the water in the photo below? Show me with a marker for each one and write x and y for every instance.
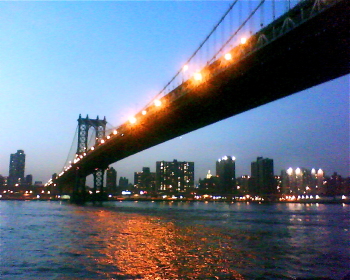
(179, 240)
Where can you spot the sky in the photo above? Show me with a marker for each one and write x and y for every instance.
(65, 58)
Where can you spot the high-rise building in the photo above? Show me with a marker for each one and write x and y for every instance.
(145, 181)
(111, 180)
(17, 165)
(226, 172)
(262, 177)
(123, 183)
(174, 177)
(302, 181)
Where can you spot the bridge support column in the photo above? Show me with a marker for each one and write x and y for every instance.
(99, 194)
(79, 195)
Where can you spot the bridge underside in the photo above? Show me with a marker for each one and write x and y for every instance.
(312, 53)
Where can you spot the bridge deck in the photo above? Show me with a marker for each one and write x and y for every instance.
(314, 52)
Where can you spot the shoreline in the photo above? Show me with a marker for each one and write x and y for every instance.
(309, 201)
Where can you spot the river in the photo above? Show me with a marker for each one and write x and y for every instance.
(173, 240)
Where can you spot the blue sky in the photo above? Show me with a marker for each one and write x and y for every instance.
(62, 59)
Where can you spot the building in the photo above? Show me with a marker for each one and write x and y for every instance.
(123, 183)
(226, 172)
(111, 180)
(262, 177)
(17, 166)
(302, 181)
(2, 181)
(145, 181)
(29, 180)
(243, 184)
(174, 177)
(208, 185)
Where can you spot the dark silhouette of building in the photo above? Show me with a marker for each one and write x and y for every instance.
(243, 185)
(111, 180)
(335, 185)
(226, 172)
(262, 178)
(29, 180)
(208, 185)
(17, 165)
(174, 177)
(2, 181)
(123, 183)
(145, 181)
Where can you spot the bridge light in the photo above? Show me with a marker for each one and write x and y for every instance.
(115, 132)
(92, 148)
(228, 56)
(102, 141)
(132, 120)
(243, 40)
(185, 68)
(157, 102)
(108, 137)
(144, 112)
(198, 76)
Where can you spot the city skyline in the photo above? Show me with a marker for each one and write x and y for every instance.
(59, 59)
(111, 170)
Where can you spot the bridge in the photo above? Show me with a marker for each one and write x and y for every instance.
(306, 46)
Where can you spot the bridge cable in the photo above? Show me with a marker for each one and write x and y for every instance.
(70, 150)
(201, 45)
(239, 28)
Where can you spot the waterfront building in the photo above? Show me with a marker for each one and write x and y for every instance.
(2, 181)
(123, 183)
(174, 177)
(16, 170)
(208, 185)
(111, 180)
(243, 184)
(335, 185)
(226, 172)
(302, 181)
(29, 180)
(145, 181)
(262, 177)
(38, 183)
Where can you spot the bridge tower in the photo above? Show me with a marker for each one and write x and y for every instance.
(84, 124)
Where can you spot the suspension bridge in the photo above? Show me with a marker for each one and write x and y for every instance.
(265, 55)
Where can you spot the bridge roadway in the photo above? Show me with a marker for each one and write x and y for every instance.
(312, 53)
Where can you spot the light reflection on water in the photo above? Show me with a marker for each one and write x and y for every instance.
(128, 240)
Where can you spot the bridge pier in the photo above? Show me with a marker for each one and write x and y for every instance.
(79, 194)
(98, 192)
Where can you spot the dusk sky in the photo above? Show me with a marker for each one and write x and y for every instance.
(62, 59)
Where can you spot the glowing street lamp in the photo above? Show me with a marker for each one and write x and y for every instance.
(243, 40)
(132, 120)
(228, 56)
(198, 76)
(157, 103)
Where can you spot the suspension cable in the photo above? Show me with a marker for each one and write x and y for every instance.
(239, 28)
(201, 45)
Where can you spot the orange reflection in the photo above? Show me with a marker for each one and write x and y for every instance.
(149, 247)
